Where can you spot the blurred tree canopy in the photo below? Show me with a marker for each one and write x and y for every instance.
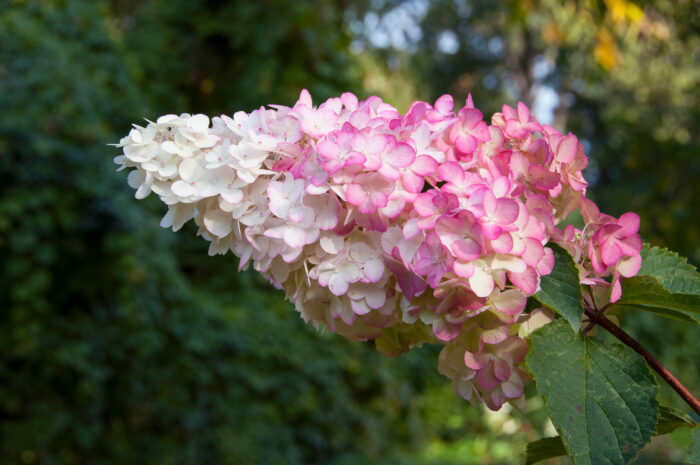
(123, 343)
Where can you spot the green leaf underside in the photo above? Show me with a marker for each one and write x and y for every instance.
(602, 399)
(674, 273)
(665, 312)
(648, 292)
(670, 419)
(561, 290)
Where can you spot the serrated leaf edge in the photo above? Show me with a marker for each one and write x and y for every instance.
(544, 398)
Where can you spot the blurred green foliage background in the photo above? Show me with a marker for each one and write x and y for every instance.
(123, 343)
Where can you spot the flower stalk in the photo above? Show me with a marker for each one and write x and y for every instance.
(597, 318)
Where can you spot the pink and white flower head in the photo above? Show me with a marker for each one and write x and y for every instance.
(371, 221)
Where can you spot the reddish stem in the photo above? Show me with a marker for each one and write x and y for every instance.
(658, 367)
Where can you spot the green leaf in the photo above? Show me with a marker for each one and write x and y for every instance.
(665, 312)
(544, 449)
(548, 448)
(602, 399)
(673, 272)
(561, 290)
(666, 285)
(694, 451)
(647, 291)
(670, 419)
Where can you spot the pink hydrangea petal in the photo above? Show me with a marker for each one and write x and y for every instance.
(630, 245)
(523, 112)
(359, 119)
(630, 224)
(349, 100)
(566, 151)
(379, 199)
(542, 178)
(355, 194)
(445, 331)
(481, 132)
(451, 172)
(410, 283)
(610, 252)
(476, 361)
(546, 264)
(512, 389)
(466, 249)
(466, 143)
(527, 281)
(629, 266)
(327, 149)
(305, 98)
(412, 181)
(470, 117)
(491, 230)
(495, 335)
(503, 243)
(615, 290)
(355, 158)
(510, 302)
(463, 269)
(517, 348)
(444, 104)
(514, 129)
(376, 143)
(486, 378)
(501, 369)
(389, 172)
(403, 155)
(424, 165)
(506, 211)
(534, 252)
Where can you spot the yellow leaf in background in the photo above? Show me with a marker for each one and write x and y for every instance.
(634, 13)
(618, 10)
(553, 34)
(622, 11)
(605, 51)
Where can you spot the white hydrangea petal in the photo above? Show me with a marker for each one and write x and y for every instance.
(337, 284)
(218, 222)
(136, 178)
(183, 189)
(481, 282)
(198, 123)
(332, 243)
(374, 269)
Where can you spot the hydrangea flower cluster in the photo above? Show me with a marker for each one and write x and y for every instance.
(425, 227)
